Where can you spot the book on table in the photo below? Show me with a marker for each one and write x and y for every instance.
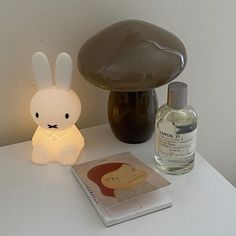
(121, 187)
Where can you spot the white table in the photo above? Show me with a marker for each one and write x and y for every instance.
(48, 200)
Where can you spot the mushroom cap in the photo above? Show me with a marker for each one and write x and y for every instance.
(131, 55)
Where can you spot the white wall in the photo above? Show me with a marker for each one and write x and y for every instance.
(207, 27)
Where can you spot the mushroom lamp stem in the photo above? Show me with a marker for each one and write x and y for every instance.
(131, 115)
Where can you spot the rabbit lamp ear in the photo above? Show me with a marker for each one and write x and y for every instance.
(63, 71)
(42, 70)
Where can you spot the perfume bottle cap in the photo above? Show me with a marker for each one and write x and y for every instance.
(177, 95)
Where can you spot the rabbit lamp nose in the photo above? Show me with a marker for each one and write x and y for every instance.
(55, 108)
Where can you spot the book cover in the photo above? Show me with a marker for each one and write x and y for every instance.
(121, 187)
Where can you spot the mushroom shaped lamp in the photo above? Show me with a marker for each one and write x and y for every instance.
(131, 58)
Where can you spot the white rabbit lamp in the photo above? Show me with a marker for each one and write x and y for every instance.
(55, 109)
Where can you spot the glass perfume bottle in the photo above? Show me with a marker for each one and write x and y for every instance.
(175, 132)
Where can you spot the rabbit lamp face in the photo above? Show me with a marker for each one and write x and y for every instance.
(55, 109)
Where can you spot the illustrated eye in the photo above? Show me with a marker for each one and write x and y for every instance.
(66, 115)
(112, 179)
(37, 115)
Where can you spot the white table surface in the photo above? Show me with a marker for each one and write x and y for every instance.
(48, 200)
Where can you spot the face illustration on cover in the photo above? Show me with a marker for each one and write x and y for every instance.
(55, 108)
(124, 177)
(120, 180)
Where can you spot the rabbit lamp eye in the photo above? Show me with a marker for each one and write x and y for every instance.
(55, 109)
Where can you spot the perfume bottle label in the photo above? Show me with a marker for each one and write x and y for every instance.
(175, 141)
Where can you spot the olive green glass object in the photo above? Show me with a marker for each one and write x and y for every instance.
(132, 115)
(130, 58)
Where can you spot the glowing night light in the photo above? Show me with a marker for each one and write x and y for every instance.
(55, 109)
